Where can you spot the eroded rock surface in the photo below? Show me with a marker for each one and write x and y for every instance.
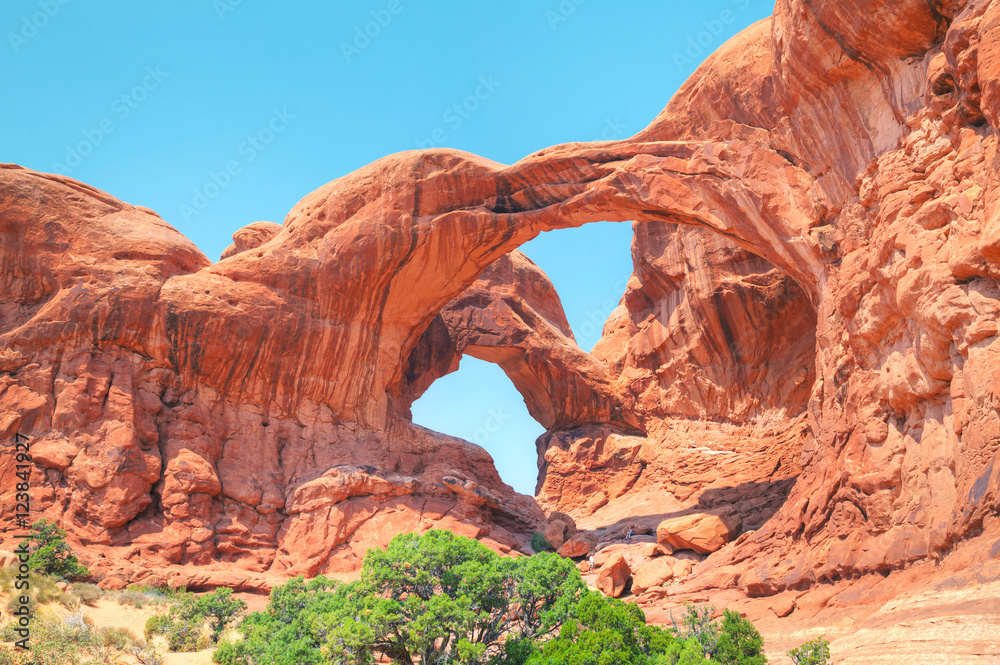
(253, 413)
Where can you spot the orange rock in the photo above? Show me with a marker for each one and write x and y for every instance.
(555, 533)
(654, 573)
(579, 545)
(701, 532)
(613, 576)
(783, 605)
(816, 346)
(680, 567)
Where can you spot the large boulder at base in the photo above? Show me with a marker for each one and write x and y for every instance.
(579, 545)
(702, 532)
(613, 576)
(655, 573)
(558, 528)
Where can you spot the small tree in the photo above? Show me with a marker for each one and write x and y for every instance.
(183, 625)
(697, 623)
(813, 652)
(739, 642)
(51, 555)
(606, 630)
(221, 609)
(734, 641)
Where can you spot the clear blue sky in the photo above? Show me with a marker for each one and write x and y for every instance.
(149, 101)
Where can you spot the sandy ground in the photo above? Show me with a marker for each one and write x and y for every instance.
(109, 613)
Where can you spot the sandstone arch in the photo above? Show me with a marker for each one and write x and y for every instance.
(859, 164)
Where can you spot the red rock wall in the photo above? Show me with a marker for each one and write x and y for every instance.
(200, 412)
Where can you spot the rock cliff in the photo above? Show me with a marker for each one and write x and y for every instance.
(809, 337)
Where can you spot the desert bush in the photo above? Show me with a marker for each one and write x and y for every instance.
(184, 625)
(135, 599)
(221, 610)
(71, 640)
(140, 596)
(14, 604)
(41, 588)
(119, 638)
(182, 633)
(51, 555)
(144, 653)
(539, 544)
(88, 594)
(70, 602)
(813, 652)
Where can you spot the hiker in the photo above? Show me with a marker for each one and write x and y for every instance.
(628, 535)
(590, 559)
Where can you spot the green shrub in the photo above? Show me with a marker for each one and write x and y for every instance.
(696, 623)
(88, 594)
(221, 609)
(539, 544)
(227, 653)
(182, 633)
(733, 641)
(51, 555)
(442, 598)
(739, 642)
(184, 625)
(606, 630)
(813, 652)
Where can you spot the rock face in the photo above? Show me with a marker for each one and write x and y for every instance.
(702, 532)
(816, 348)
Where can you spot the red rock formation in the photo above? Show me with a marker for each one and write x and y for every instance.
(702, 532)
(252, 412)
(512, 316)
(613, 576)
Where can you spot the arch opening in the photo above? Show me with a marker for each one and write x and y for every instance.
(479, 403)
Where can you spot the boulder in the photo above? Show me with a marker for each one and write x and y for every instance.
(702, 532)
(579, 545)
(613, 576)
(654, 573)
(782, 605)
(681, 567)
(556, 532)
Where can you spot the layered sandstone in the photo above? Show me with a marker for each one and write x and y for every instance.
(821, 354)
